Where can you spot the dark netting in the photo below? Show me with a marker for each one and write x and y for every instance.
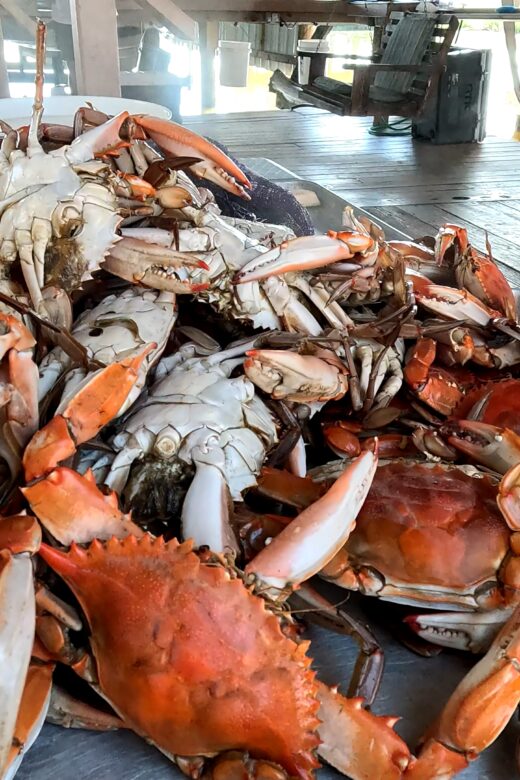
(269, 202)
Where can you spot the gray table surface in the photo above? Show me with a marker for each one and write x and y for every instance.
(413, 687)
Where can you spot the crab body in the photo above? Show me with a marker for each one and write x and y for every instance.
(211, 667)
(117, 328)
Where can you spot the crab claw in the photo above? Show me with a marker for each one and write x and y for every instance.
(73, 509)
(480, 707)
(479, 274)
(31, 714)
(17, 608)
(494, 447)
(447, 236)
(95, 141)
(312, 539)
(451, 303)
(508, 498)
(300, 254)
(214, 165)
(154, 266)
(469, 631)
(96, 401)
(294, 377)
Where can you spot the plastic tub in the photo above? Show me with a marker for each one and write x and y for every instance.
(234, 62)
(304, 63)
(60, 109)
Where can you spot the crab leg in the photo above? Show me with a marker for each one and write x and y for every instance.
(31, 715)
(319, 532)
(99, 398)
(208, 489)
(180, 142)
(358, 743)
(300, 254)
(16, 638)
(477, 711)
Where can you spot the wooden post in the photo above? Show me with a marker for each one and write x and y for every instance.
(96, 53)
(4, 78)
(208, 42)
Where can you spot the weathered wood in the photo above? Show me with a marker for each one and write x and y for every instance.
(313, 11)
(96, 54)
(413, 186)
(208, 39)
(175, 17)
(4, 78)
(13, 8)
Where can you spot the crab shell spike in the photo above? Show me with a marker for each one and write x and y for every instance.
(356, 742)
(86, 146)
(203, 639)
(492, 446)
(96, 402)
(293, 377)
(179, 141)
(486, 699)
(73, 509)
(313, 538)
(17, 626)
(297, 254)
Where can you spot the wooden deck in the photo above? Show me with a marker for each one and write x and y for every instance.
(412, 185)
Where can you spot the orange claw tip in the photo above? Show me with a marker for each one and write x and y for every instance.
(202, 264)
(47, 448)
(199, 287)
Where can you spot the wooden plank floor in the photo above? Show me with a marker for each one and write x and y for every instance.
(412, 185)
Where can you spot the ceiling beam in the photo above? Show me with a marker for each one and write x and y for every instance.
(175, 17)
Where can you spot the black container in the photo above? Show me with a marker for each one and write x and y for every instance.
(457, 114)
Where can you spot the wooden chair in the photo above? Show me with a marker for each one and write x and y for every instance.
(399, 81)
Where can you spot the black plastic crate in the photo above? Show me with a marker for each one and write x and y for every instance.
(457, 114)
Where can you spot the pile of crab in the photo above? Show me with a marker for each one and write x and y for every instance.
(170, 493)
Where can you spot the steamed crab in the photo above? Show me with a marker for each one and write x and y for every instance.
(401, 551)
(209, 647)
(60, 210)
(196, 418)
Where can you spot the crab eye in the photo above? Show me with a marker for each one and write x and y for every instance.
(67, 220)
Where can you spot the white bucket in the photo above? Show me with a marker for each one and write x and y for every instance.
(304, 63)
(234, 62)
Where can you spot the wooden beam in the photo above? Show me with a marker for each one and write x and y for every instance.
(319, 11)
(96, 52)
(208, 39)
(21, 17)
(175, 17)
(4, 78)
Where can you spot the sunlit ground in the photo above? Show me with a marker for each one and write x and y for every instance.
(502, 104)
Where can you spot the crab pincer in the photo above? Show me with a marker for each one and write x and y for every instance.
(304, 253)
(99, 398)
(213, 164)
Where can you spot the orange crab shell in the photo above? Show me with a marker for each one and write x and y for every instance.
(188, 656)
(500, 404)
